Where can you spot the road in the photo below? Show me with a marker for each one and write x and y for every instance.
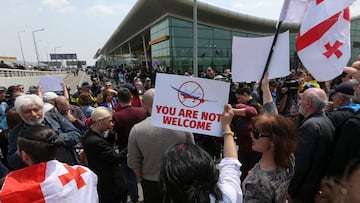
(74, 81)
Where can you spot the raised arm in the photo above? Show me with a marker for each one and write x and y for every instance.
(229, 178)
(39, 91)
(269, 106)
(65, 90)
(229, 143)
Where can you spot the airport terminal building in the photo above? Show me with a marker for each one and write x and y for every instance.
(161, 32)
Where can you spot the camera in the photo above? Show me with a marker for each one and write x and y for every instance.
(292, 85)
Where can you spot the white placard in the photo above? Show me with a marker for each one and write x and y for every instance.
(189, 104)
(51, 83)
(249, 57)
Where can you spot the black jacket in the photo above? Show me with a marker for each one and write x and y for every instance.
(105, 162)
(346, 147)
(311, 157)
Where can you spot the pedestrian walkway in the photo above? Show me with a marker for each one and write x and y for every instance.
(74, 81)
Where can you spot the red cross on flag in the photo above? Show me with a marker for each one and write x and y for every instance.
(323, 43)
(50, 182)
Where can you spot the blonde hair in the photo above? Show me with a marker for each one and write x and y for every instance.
(100, 113)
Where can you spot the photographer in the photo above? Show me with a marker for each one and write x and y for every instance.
(288, 96)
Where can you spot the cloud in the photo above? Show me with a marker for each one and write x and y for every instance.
(63, 6)
(355, 9)
(101, 9)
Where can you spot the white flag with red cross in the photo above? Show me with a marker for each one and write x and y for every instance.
(325, 48)
(323, 43)
(50, 182)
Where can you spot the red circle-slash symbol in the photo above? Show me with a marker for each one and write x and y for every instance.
(191, 94)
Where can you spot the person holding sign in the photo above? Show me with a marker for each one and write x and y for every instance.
(188, 173)
(274, 136)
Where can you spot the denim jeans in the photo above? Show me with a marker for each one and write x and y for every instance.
(131, 181)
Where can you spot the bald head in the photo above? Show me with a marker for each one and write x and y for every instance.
(62, 104)
(313, 100)
(148, 98)
(61, 100)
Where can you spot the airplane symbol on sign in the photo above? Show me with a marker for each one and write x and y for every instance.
(187, 95)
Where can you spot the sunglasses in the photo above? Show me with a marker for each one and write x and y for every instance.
(257, 135)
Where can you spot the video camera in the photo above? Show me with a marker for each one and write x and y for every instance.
(291, 84)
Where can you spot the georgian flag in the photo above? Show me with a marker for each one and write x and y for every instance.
(50, 182)
(323, 44)
(325, 48)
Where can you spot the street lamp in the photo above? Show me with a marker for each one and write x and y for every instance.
(22, 52)
(56, 55)
(36, 50)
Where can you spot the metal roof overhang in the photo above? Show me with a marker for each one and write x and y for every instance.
(147, 12)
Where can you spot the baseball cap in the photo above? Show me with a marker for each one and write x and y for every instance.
(2, 88)
(147, 79)
(49, 95)
(344, 88)
(219, 77)
(128, 86)
(85, 84)
(32, 90)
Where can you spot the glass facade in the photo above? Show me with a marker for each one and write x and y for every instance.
(355, 40)
(214, 45)
(175, 49)
(160, 51)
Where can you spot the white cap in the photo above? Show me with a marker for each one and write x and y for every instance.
(49, 95)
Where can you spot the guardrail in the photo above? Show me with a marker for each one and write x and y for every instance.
(5, 72)
(27, 78)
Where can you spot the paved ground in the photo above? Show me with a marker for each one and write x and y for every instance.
(73, 81)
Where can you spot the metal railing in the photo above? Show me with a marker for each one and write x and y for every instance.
(27, 78)
(4, 72)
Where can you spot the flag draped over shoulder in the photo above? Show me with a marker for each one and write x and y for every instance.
(50, 182)
(323, 43)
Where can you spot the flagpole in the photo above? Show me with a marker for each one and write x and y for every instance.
(195, 36)
(277, 31)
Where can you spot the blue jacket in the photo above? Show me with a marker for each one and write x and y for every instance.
(66, 131)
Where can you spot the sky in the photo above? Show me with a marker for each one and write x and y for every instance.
(84, 26)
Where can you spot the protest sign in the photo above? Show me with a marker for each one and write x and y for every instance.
(249, 57)
(51, 83)
(189, 104)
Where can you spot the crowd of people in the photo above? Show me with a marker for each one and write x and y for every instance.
(285, 140)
